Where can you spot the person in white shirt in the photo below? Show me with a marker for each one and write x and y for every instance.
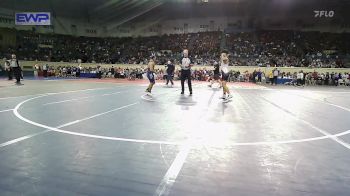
(36, 69)
(16, 69)
(186, 65)
(45, 67)
(302, 80)
(298, 79)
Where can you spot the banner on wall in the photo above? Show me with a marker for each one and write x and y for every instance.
(33, 18)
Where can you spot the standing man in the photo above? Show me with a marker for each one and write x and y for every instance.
(16, 69)
(326, 79)
(186, 65)
(275, 75)
(45, 68)
(78, 71)
(271, 77)
(302, 78)
(259, 75)
(36, 70)
(150, 75)
(112, 71)
(254, 75)
(170, 73)
(299, 78)
(99, 72)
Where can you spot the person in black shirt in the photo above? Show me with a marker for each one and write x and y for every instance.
(170, 73)
(216, 77)
(78, 71)
(112, 71)
(99, 72)
(327, 79)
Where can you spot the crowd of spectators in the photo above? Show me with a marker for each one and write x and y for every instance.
(289, 49)
(203, 74)
(64, 48)
(300, 78)
(259, 48)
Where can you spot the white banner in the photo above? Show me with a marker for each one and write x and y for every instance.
(33, 18)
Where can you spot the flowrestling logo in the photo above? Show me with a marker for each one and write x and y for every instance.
(33, 18)
(323, 13)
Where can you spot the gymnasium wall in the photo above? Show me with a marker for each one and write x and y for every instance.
(60, 25)
(7, 37)
(227, 24)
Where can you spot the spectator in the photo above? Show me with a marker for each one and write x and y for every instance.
(45, 69)
(275, 75)
(259, 74)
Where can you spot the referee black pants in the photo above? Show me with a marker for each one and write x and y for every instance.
(186, 75)
(17, 73)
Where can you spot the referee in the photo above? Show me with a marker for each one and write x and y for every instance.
(16, 69)
(186, 64)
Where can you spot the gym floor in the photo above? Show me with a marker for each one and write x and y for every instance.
(105, 137)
